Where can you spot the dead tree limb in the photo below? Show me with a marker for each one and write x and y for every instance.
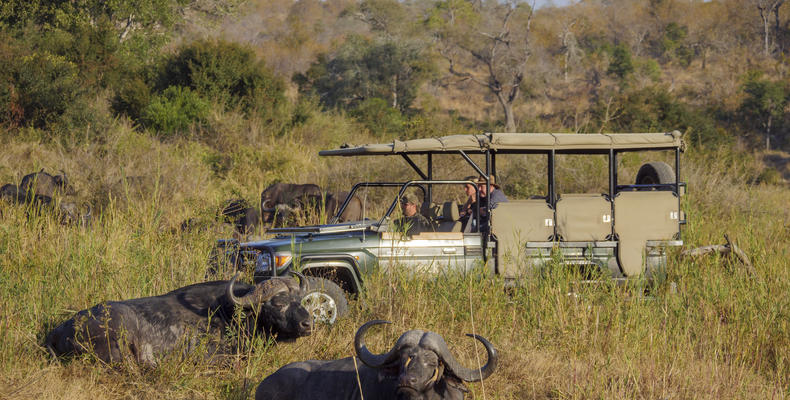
(728, 249)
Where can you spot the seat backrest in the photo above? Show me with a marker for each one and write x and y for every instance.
(450, 216)
(517, 222)
(639, 217)
(584, 217)
(431, 212)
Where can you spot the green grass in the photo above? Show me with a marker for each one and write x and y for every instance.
(723, 334)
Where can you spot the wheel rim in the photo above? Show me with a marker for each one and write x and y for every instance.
(321, 306)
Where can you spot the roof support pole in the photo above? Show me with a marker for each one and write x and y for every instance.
(472, 163)
(677, 188)
(552, 189)
(414, 166)
(430, 177)
(612, 185)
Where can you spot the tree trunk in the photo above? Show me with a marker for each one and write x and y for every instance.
(507, 107)
(766, 30)
(395, 91)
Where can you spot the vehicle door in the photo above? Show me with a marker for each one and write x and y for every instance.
(430, 252)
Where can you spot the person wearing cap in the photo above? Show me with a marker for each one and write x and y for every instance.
(412, 221)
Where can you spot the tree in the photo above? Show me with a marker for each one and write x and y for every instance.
(621, 65)
(768, 8)
(228, 73)
(488, 43)
(362, 69)
(570, 50)
(764, 104)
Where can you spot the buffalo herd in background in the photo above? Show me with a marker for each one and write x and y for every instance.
(215, 318)
(280, 203)
(46, 192)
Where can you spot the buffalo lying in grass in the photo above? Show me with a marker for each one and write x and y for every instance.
(419, 366)
(149, 327)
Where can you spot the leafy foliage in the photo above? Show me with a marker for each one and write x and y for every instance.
(621, 65)
(175, 110)
(655, 109)
(764, 105)
(379, 117)
(363, 69)
(35, 88)
(228, 73)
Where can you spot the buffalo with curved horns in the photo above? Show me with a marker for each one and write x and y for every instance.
(44, 184)
(149, 327)
(419, 366)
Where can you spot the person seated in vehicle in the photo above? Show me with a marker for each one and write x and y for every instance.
(412, 221)
(469, 208)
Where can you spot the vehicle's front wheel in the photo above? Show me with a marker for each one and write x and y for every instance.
(325, 300)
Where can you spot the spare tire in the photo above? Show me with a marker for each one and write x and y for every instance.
(655, 173)
(325, 300)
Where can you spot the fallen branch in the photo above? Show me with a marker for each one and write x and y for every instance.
(728, 249)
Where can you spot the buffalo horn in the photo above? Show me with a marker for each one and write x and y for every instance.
(265, 207)
(435, 342)
(263, 292)
(302, 281)
(410, 338)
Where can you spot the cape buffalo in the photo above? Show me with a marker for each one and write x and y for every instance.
(149, 327)
(352, 212)
(43, 184)
(12, 194)
(244, 218)
(286, 198)
(419, 366)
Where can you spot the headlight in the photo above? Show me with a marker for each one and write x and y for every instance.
(263, 262)
(281, 259)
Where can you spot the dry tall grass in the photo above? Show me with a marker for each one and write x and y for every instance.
(724, 334)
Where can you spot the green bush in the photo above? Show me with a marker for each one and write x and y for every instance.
(379, 117)
(36, 89)
(227, 73)
(132, 98)
(656, 109)
(361, 69)
(174, 111)
(621, 65)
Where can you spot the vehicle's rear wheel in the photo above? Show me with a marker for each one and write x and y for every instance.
(655, 173)
(325, 300)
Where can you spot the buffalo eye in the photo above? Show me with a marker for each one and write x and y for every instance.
(279, 301)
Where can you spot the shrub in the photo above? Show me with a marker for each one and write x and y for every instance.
(379, 117)
(228, 73)
(656, 109)
(174, 111)
(361, 69)
(37, 88)
(130, 100)
(621, 65)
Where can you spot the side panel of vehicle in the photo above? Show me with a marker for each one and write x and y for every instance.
(430, 251)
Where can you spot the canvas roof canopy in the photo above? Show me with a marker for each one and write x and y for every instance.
(518, 143)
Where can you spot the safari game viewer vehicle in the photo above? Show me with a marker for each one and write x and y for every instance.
(623, 232)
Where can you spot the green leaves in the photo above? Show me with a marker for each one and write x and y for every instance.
(175, 111)
(363, 69)
(226, 72)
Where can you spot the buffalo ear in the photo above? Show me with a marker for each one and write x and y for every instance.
(453, 382)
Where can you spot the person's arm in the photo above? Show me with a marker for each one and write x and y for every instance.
(497, 196)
